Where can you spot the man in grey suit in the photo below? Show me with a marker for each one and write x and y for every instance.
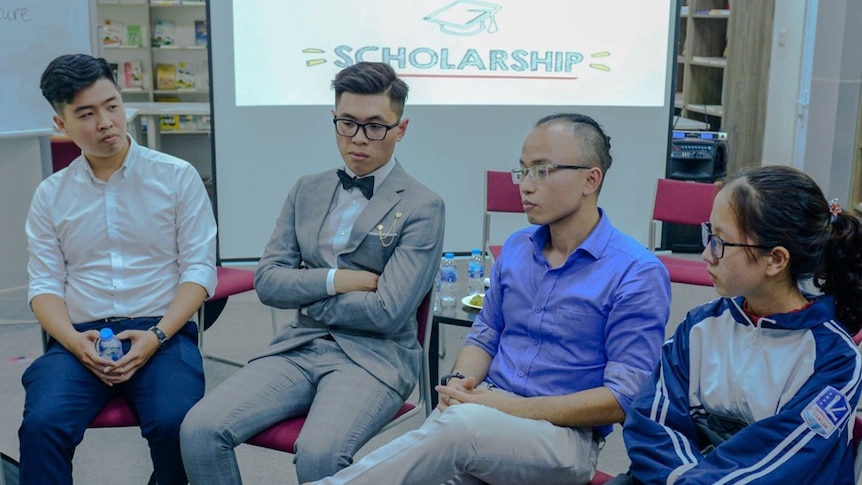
(355, 251)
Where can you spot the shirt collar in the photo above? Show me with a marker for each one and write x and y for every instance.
(379, 175)
(594, 244)
(128, 162)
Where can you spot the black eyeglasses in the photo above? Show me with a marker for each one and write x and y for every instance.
(540, 172)
(716, 244)
(373, 131)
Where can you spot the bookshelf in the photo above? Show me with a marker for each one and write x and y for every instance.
(168, 78)
(127, 29)
(723, 71)
(701, 61)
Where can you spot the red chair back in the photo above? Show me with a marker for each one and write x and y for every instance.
(501, 195)
(683, 202)
(63, 151)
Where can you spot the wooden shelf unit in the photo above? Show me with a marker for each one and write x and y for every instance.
(723, 70)
(701, 61)
(145, 14)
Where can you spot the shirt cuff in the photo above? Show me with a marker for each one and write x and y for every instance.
(330, 282)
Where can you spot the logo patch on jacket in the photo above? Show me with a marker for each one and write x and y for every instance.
(826, 412)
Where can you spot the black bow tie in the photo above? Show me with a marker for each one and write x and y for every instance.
(364, 184)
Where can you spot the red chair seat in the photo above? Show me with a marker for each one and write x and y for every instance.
(117, 413)
(600, 478)
(282, 436)
(688, 271)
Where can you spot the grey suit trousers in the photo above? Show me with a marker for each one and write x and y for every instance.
(346, 406)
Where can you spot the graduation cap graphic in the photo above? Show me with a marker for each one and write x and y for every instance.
(465, 17)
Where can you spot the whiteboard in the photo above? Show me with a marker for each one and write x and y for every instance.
(260, 151)
(32, 33)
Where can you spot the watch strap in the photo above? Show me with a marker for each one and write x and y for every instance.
(159, 334)
(445, 379)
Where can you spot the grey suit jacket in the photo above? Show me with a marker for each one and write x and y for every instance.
(377, 330)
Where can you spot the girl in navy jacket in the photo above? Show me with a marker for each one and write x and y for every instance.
(761, 385)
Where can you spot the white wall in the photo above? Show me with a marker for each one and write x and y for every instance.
(20, 172)
(784, 75)
(832, 117)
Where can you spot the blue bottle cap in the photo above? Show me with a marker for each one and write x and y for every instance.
(106, 333)
(449, 255)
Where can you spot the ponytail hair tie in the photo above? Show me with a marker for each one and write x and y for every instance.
(834, 209)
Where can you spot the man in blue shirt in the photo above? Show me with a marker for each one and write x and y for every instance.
(570, 329)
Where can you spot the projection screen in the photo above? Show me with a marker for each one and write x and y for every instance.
(480, 75)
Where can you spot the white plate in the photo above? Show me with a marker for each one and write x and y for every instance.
(466, 302)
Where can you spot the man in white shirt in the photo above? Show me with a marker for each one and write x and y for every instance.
(122, 238)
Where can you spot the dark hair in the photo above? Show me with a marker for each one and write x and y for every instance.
(68, 74)
(372, 78)
(597, 145)
(782, 206)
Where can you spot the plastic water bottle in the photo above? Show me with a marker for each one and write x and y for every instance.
(437, 292)
(448, 278)
(476, 273)
(109, 346)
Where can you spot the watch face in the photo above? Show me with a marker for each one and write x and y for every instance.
(159, 334)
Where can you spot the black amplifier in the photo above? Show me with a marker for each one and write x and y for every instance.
(697, 159)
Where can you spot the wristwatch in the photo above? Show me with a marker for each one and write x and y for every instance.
(445, 379)
(159, 334)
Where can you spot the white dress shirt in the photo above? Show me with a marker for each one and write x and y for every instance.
(339, 223)
(121, 247)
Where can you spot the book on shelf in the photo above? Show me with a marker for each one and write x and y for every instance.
(163, 32)
(200, 32)
(133, 74)
(169, 122)
(166, 76)
(187, 123)
(204, 122)
(113, 33)
(133, 35)
(186, 76)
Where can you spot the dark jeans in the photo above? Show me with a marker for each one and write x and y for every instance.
(63, 396)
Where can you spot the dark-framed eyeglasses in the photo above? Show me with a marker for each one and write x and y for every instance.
(541, 172)
(373, 131)
(716, 244)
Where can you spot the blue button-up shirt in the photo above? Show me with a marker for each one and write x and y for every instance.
(597, 320)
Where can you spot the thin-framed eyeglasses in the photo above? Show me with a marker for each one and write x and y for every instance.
(373, 131)
(716, 244)
(541, 172)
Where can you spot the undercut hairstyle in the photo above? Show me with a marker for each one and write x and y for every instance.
(783, 206)
(372, 78)
(595, 144)
(69, 74)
